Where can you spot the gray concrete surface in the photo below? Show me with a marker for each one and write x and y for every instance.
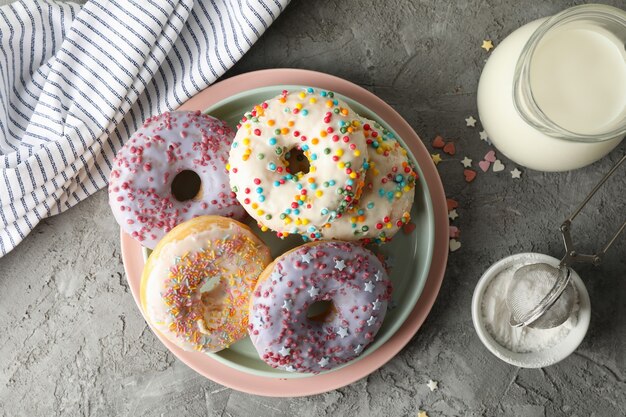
(74, 344)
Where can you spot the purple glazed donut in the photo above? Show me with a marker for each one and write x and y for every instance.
(172, 169)
(346, 274)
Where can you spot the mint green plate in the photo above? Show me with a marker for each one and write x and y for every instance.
(409, 256)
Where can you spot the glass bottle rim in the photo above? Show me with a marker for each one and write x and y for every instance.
(522, 92)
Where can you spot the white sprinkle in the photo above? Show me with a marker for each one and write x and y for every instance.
(343, 332)
(378, 276)
(369, 287)
(498, 166)
(433, 385)
(306, 258)
(470, 121)
(276, 276)
(285, 351)
(313, 291)
(258, 321)
(466, 162)
(376, 305)
(453, 214)
(340, 264)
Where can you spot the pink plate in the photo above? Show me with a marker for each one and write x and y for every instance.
(277, 387)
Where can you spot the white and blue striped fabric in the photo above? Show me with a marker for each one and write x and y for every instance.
(76, 81)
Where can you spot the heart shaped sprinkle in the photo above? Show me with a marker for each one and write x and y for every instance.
(438, 142)
(454, 245)
(452, 204)
(490, 156)
(469, 175)
(450, 149)
(498, 166)
(484, 165)
(454, 232)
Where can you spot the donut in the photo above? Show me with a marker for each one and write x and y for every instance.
(197, 283)
(172, 169)
(276, 190)
(344, 273)
(385, 202)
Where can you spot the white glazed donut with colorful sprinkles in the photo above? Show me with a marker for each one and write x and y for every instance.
(140, 184)
(385, 203)
(345, 273)
(331, 137)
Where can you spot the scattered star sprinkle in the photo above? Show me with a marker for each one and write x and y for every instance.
(340, 264)
(433, 385)
(369, 287)
(307, 258)
(258, 321)
(290, 368)
(313, 291)
(376, 305)
(453, 214)
(358, 349)
(343, 332)
(516, 173)
(487, 45)
(287, 304)
(371, 320)
(276, 276)
(483, 136)
(323, 362)
(285, 351)
(470, 121)
(466, 162)
(436, 158)
(378, 276)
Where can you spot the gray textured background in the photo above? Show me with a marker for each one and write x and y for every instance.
(73, 342)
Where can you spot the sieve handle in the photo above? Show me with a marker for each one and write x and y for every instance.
(571, 255)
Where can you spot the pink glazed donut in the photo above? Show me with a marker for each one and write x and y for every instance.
(171, 170)
(345, 274)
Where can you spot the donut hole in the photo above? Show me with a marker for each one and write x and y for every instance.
(186, 185)
(322, 310)
(209, 285)
(212, 296)
(297, 161)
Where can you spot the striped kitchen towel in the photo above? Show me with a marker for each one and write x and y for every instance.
(76, 81)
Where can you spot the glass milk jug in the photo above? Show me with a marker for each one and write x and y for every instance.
(552, 95)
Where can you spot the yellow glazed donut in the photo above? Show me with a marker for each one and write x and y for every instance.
(385, 203)
(281, 197)
(196, 285)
